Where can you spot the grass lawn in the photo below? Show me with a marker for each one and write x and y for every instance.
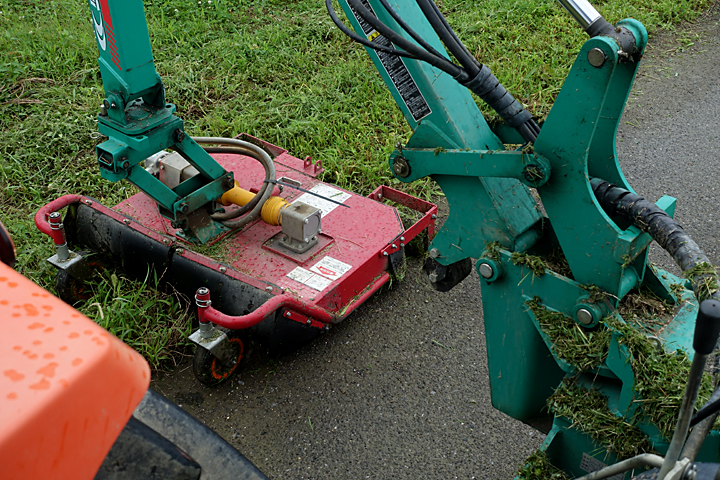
(280, 71)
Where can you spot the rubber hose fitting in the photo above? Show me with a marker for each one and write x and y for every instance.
(271, 210)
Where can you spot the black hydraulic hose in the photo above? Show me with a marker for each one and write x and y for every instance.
(418, 53)
(649, 218)
(361, 40)
(474, 76)
(448, 37)
(415, 36)
(452, 33)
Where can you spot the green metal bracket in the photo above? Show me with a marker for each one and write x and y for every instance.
(414, 163)
(578, 139)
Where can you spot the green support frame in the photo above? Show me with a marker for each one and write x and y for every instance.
(139, 123)
(493, 217)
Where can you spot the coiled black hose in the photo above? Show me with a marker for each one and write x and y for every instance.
(649, 218)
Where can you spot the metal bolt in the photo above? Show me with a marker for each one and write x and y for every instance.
(314, 238)
(113, 105)
(486, 270)
(126, 221)
(433, 216)
(287, 314)
(268, 288)
(434, 253)
(401, 167)
(307, 240)
(306, 221)
(179, 135)
(308, 322)
(88, 202)
(533, 173)
(103, 110)
(402, 239)
(183, 207)
(433, 277)
(380, 197)
(223, 269)
(393, 245)
(180, 251)
(584, 316)
(596, 57)
(385, 254)
(402, 244)
(166, 241)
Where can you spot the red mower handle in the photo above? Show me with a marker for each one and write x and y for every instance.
(206, 313)
(42, 215)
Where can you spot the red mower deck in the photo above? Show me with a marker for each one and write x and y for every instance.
(249, 275)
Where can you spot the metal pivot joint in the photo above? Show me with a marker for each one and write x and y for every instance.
(58, 230)
(209, 337)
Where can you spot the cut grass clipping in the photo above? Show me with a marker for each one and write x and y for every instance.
(582, 348)
(660, 378)
(538, 467)
(588, 411)
(154, 323)
(703, 278)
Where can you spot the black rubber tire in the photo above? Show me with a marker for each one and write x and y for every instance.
(208, 369)
(69, 289)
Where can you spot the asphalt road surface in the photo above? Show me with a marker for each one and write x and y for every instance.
(400, 390)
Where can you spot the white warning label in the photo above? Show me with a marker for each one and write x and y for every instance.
(331, 268)
(320, 203)
(311, 279)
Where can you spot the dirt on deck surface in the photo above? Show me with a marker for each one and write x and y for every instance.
(400, 389)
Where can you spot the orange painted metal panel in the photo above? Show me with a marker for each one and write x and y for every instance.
(67, 387)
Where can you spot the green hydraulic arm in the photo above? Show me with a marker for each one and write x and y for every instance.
(495, 219)
(139, 123)
(445, 118)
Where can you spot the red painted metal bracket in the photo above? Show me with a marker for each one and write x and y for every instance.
(427, 221)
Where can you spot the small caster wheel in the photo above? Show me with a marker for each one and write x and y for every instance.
(209, 370)
(69, 289)
(72, 290)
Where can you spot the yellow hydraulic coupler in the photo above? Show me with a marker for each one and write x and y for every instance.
(270, 211)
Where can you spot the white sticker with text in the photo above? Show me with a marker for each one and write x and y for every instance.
(331, 268)
(320, 203)
(312, 280)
